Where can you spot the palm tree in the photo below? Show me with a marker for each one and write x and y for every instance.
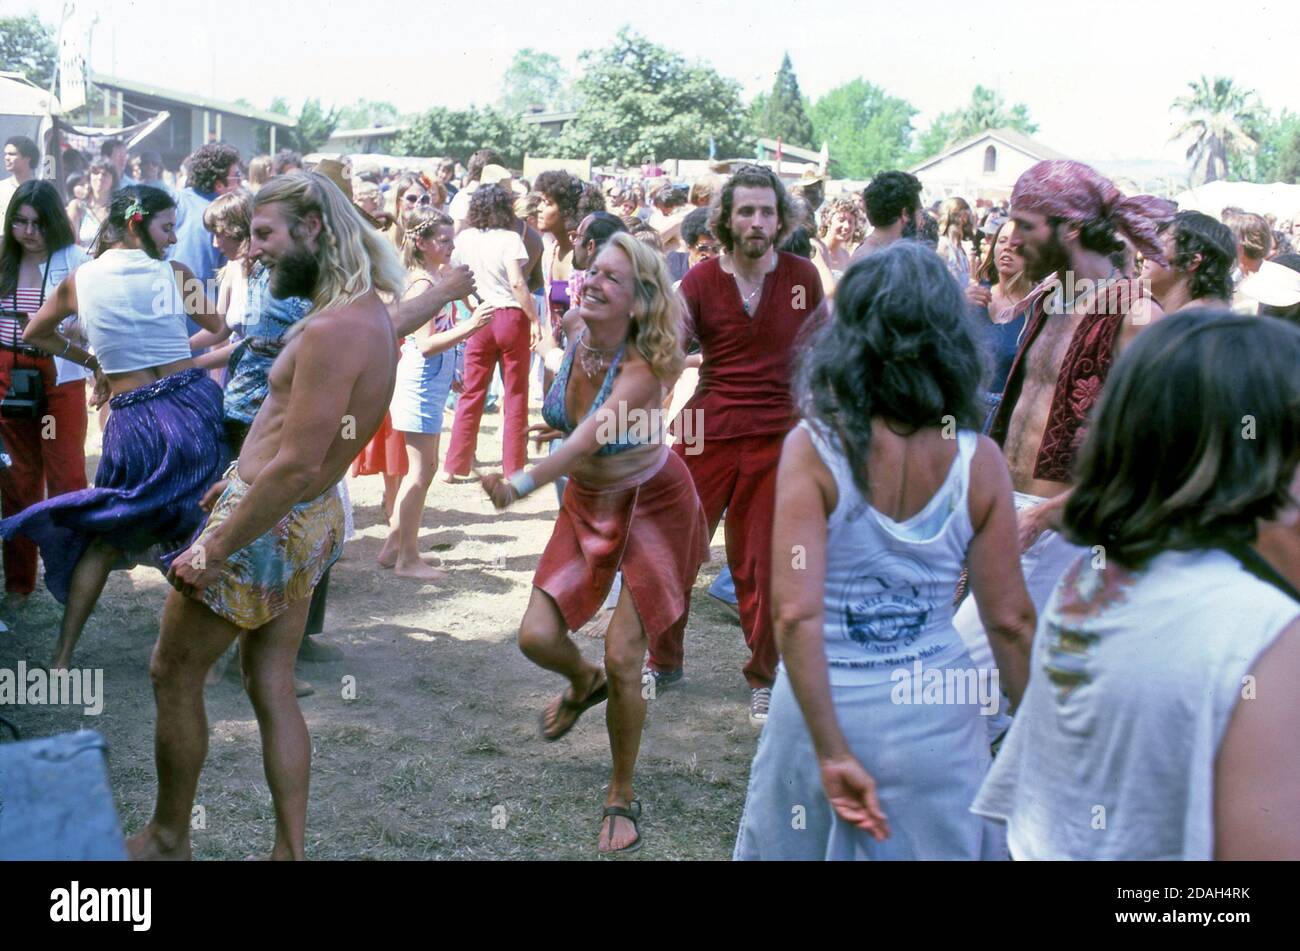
(1221, 121)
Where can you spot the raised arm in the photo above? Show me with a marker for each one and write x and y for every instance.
(805, 497)
(409, 315)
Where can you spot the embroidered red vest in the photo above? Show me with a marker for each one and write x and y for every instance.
(1083, 373)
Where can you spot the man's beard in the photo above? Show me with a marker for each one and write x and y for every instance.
(910, 230)
(749, 242)
(295, 274)
(1047, 258)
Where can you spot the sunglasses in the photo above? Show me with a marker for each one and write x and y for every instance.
(425, 199)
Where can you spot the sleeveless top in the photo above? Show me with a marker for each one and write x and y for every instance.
(557, 417)
(90, 223)
(132, 311)
(889, 585)
(1133, 679)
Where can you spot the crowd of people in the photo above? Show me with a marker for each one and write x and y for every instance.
(1011, 492)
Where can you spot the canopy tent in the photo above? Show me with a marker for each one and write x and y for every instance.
(25, 109)
(1278, 199)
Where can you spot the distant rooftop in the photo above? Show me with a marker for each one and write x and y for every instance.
(190, 99)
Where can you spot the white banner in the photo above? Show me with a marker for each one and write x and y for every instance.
(74, 43)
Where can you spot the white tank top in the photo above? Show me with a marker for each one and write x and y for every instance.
(1132, 682)
(889, 585)
(132, 311)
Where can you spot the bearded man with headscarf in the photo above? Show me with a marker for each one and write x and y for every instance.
(1069, 222)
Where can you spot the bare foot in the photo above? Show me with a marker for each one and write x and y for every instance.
(618, 833)
(148, 846)
(419, 571)
(387, 556)
(60, 662)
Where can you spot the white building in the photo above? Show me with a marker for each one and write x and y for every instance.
(985, 166)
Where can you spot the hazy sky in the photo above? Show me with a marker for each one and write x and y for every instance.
(1099, 83)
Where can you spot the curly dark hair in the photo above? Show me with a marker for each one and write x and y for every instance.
(1195, 233)
(900, 346)
(209, 164)
(116, 224)
(491, 206)
(695, 225)
(593, 200)
(749, 176)
(1096, 234)
(889, 196)
(566, 192)
(286, 160)
(1164, 466)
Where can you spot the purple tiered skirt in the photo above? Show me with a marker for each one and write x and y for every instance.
(163, 448)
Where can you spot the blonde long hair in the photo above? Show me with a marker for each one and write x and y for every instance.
(355, 259)
(658, 326)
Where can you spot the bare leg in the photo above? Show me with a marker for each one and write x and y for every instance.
(545, 641)
(84, 590)
(625, 648)
(191, 640)
(403, 540)
(390, 494)
(268, 656)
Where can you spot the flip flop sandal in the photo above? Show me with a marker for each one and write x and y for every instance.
(633, 814)
(577, 707)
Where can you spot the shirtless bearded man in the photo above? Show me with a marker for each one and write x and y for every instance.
(277, 519)
(1068, 222)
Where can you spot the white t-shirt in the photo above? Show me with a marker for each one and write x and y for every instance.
(486, 254)
(458, 209)
(1133, 680)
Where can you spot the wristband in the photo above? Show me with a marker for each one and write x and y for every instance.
(523, 483)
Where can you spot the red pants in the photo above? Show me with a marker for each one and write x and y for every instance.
(737, 476)
(507, 340)
(56, 464)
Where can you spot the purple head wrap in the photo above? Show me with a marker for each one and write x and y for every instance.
(1073, 191)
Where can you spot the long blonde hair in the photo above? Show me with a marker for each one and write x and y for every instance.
(658, 326)
(355, 259)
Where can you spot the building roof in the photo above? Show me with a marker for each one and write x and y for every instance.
(1012, 137)
(191, 100)
(372, 133)
(541, 118)
(791, 152)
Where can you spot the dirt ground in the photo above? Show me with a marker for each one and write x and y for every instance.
(438, 756)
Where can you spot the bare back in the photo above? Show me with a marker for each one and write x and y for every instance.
(333, 381)
(906, 471)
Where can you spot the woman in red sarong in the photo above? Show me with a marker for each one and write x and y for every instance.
(630, 506)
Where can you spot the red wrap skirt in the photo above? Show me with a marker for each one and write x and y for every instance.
(655, 533)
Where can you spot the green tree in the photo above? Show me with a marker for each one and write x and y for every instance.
(639, 100)
(783, 114)
(867, 129)
(315, 125)
(1221, 118)
(1276, 137)
(987, 109)
(27, 47)
(534, 79)
(365, 114)
(457, 134)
